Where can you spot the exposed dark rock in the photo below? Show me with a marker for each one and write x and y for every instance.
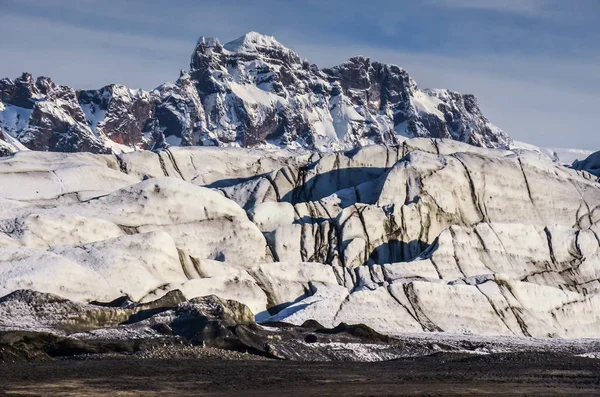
(57, 327)
(591, 164)
(118, 113)
(361, 331)
(310, 338)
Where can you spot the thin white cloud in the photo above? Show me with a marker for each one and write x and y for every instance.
(518, 6)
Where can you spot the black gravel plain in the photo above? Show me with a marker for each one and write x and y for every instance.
(441, 374)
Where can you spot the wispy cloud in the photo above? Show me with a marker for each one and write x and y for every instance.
(518, 6)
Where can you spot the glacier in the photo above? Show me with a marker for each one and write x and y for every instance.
(430, 236)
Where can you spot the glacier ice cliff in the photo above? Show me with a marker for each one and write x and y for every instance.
(431, 235)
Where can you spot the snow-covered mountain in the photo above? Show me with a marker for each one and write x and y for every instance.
(252, 91)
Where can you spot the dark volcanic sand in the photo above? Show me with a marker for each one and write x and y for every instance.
(541, 374)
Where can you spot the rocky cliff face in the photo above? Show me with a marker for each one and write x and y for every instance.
(41, 115)
(590, 164)
(250, 92)
(431, 235)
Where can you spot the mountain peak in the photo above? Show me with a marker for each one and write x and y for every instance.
(253, 42)
(250, 91)
(208, 41)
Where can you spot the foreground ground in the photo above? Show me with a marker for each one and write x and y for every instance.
(529, 374)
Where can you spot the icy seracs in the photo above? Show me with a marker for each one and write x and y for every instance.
(431, 235)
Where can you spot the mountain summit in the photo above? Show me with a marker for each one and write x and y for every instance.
(252, 91)
(253, 42)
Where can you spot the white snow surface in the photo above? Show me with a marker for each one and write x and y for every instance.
(253, 94)
(559, 155)
(13, 118)
(250, 41)
(427, 104)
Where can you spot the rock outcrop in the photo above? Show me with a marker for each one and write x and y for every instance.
(50, 326)
(250, 92)
(591, 164)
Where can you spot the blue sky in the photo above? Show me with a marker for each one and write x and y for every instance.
(533, 64)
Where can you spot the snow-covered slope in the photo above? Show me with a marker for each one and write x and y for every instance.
(250, 92)
(559, 155)
(431, 235)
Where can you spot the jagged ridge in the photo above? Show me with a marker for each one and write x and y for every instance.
(252, 91)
